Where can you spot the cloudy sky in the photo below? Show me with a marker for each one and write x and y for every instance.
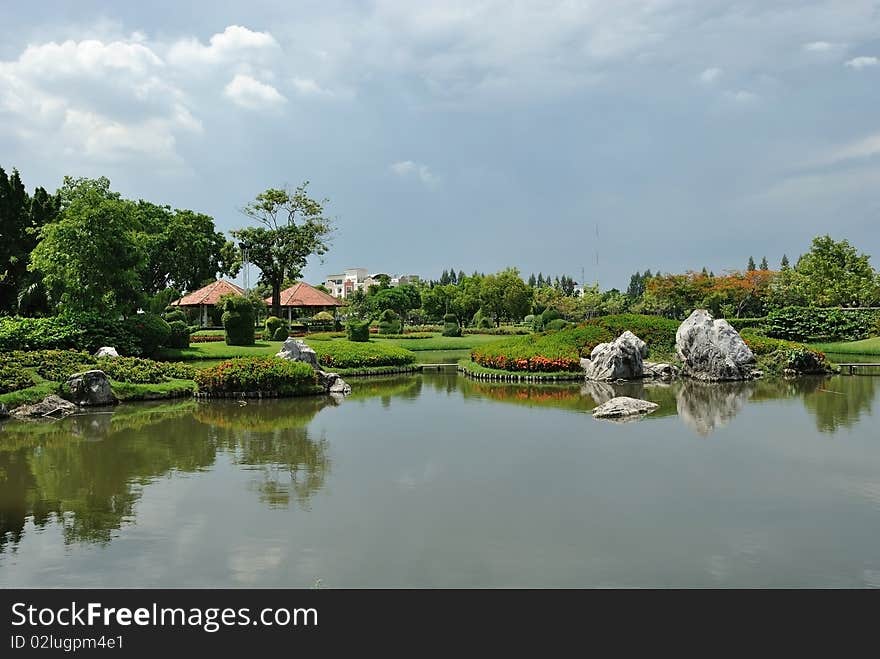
(473, 134)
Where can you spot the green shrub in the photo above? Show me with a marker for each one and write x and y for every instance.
(777, 355)
(179, 335)
(358, 330)
(451, 326)
(80, 331)
(143, 371)
(273, 324)
(150, 331)
(657, 332)
(821, 324)
(58, 365)
(550, 314)
(739, 324)
(500, 331)
(323, 316)
(173, 314)
(281, 334)
(544, 353)
(238, 320)
(556, 324)
(389, 322)
(257, 374)
(14, 379)
(346, 354)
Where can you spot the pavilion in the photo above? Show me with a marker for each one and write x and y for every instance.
(302, 297)
(207, 297)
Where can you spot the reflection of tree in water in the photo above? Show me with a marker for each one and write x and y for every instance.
(840, 401)
(88, 471)
(272, 439)
(706, 406)
(407, 387)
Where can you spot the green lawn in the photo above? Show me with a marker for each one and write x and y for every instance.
(440, 342)
(218, 350)
(864, 347)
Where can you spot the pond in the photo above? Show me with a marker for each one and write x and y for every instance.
(439, 481)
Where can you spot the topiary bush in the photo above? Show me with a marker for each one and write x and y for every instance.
(358, 330)
(451, 326)
(268, 375)
(550, 314)
(150, 331)
(281, 333)
(179, 337)
(556, 324)
(389, 322)
(173, 314)
(484, 324)
(238, 320)
(273, 323)
(821, 324)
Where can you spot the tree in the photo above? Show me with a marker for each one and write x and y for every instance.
(21, 218)
(183, 249)
(532, 280)
(540, 282)
(293, 229)
(764, 265)
(834, 273)
(444, 278)
(783, 265)
(89, 258)
(751, 265)
(505, 295)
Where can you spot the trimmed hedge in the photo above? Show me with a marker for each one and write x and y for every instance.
(822, 324)
(657, 332)
(14, 379)
(450, 325)
(498, 331)
(238, 321)
(389, 322)
(257, 374)
(358, 331)
(179, 335)
(150, 331)
(85, 331)
(739, 324)
(543, 353)
(348, 354)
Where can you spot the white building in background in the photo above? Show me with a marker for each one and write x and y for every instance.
(359, 279)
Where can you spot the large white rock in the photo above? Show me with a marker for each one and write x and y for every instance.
(623, 407)
(90, 388)
(297, 351)
(711, 350)
(622, 359)
(106, 351)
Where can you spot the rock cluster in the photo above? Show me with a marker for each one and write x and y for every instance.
(712, 351)
(50, 406)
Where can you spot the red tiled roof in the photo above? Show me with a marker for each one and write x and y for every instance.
(304, 295)
(209, 294)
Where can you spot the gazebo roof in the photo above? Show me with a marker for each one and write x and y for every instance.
(209, 294)
(304, 295)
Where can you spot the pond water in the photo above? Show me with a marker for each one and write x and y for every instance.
(439, 481)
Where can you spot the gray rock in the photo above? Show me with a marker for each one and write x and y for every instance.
(333, 384)
(660, 371)
(297, 351)
(624, 406)
(705, 407)
(4, 413)
(51, 406)
(90, 388)
(711, 350)
(619, 360)
(106, 351)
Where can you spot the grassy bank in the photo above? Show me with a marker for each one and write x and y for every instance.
(864, 347)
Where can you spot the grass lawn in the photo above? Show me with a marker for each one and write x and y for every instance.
(218, 350)
(864, 347)
(440, 342)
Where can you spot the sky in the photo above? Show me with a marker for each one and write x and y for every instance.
(610, 136)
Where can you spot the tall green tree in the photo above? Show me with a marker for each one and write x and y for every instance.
(751, 265)
(834, 273)
(293, 228)
(505, 296)
(764, 264)
(784, 265)
(90, 259)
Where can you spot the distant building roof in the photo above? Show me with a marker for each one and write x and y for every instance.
(304, 295)
(209, 294)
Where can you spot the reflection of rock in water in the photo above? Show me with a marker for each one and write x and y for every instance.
(602, 392)
(703, 407)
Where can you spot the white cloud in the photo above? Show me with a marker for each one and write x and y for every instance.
(862, 62)
(250, 93)
(709, 76)
(410, 169)
(235, 42)
(865, 147)
(818, 46)
(741, 96)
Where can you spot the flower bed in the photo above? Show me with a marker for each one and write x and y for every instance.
(542, 353)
